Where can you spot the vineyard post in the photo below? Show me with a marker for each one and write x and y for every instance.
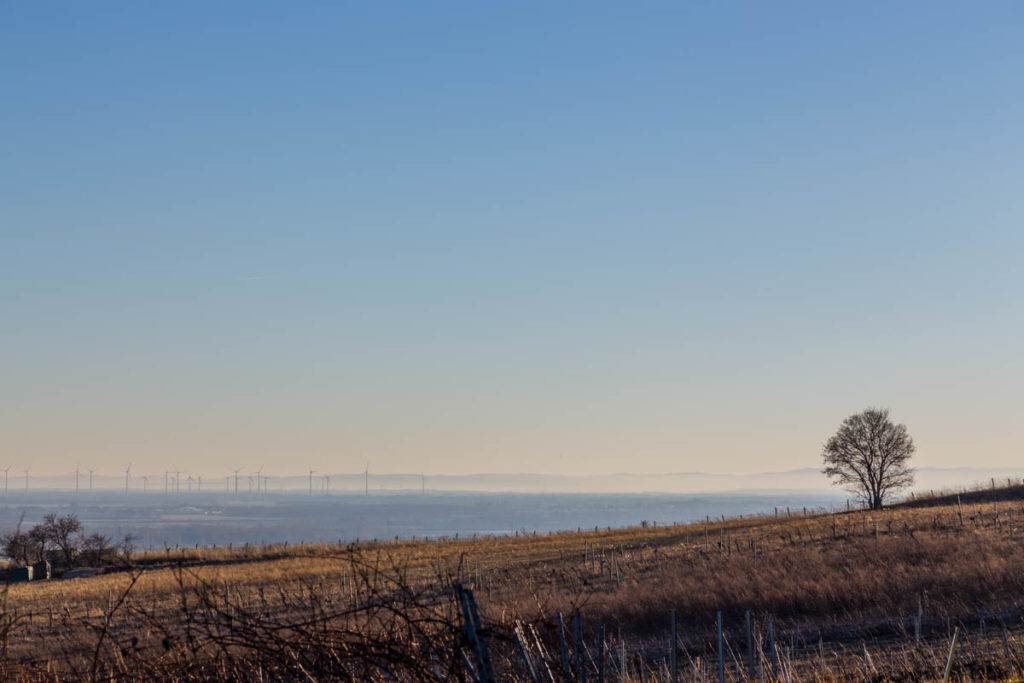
(750, 649)
(949, 659)
(1006, 650)
(581, 674)
(721, 653)
(524, 653)
(565, 651)
(672, 651)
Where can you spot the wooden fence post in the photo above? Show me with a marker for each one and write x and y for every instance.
(474, 635)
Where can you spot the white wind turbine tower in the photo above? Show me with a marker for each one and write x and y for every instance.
(250, 485)
(26, 479)
(145, 483)
(177, 481)
(311, 472)
(199, 483)
(259, 477)
(90, 481)
(6, 477)
(127, 476)
(77, 468)
(167, 482)
(236, 480)
(189, 483)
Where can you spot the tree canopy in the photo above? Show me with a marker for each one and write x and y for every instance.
(869, 455)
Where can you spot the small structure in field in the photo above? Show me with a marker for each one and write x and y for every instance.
(41, 571)
(21, 574)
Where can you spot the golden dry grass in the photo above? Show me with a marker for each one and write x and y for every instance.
(843, 578)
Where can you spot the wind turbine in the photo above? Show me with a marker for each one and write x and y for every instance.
(77, 467)
(250, 485)
(6, 476)
(190, 483)
(327, 484)
(127, 476)
(311, 481)
(266, 483)
(90, 481)
(145, 483)
(26, 479)
(259, 474)
(236, 480)
(199, 483)
(167, 482)
(177, 481)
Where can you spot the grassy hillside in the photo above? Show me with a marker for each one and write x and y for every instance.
(848, 596)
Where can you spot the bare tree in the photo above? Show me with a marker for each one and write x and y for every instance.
(60, 532)
(126, 549)
(62, 539)
(21, 547)
(96, 550)
(868, 456)
(26, 547)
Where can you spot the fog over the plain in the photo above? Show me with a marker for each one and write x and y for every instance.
(269, 482)
(172, 509)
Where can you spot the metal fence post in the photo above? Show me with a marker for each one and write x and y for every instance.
(721, 651)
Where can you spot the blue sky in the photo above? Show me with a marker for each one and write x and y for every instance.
(464, 237)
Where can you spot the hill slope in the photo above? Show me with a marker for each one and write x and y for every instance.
(838, 590)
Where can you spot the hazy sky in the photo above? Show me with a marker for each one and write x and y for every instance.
(553, 237)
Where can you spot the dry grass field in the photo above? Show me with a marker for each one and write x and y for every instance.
(858, 595)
